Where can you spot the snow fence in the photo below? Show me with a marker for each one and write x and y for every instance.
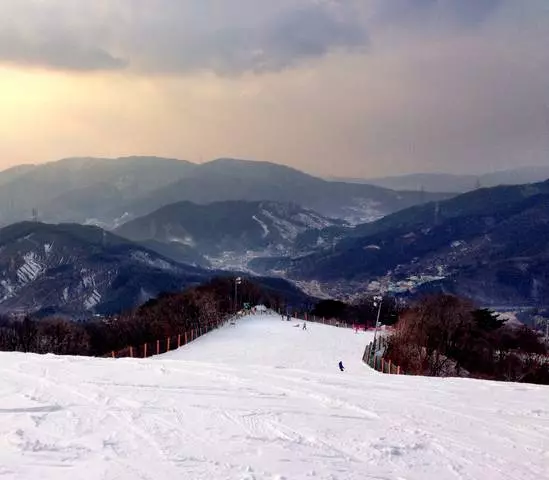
(166, 344)
(374, 357)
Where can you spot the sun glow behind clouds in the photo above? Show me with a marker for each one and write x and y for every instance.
(48, 114)
(350, 87)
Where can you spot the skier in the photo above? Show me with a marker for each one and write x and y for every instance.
(341, 367)
(304, 326)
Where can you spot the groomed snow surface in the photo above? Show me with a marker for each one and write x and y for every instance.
(262, 400)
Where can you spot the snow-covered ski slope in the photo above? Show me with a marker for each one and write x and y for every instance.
(262, 400)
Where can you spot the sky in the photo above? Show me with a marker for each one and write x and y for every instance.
(334, 87)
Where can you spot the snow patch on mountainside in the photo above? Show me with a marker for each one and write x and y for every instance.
(188, 240)
(286, 229)
(266, 230)
(88, 280)
(31, 269)
(92, 300)
(146, 259)
(363, 211)
(7, 291)
(312, 220)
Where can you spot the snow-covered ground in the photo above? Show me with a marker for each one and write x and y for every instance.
(263, 400)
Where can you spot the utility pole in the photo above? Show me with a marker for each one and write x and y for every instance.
(378, 299)
(237, 282)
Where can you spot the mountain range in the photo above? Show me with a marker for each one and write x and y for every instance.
(447, 182)
(218, 232)
(173, 224)
(491, 245)
(81, 270)
(83, 190)
(108, 192)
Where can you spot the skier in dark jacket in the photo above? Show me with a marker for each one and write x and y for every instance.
(341, 367)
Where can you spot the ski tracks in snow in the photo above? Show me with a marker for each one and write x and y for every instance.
(262, 402)
(95, 407)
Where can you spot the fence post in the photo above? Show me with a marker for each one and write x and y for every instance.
(168, 344)
(144, 350)
(398, 370)
(178, 340)
(113, 354)
(131, 352)
(158, 347)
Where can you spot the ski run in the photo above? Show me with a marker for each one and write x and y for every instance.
(263, 400)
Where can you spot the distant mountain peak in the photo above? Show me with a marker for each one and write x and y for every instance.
(236, 228)
(78, 269)
(102, 190)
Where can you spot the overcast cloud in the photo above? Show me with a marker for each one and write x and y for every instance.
(382, 86)
(176, 35)
(224, 36)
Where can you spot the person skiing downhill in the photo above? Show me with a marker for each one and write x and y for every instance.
(341, 367)
(304, 326)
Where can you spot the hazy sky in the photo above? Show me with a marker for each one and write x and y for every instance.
(335, 87)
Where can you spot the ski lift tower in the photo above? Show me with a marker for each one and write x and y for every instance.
(237, 282)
